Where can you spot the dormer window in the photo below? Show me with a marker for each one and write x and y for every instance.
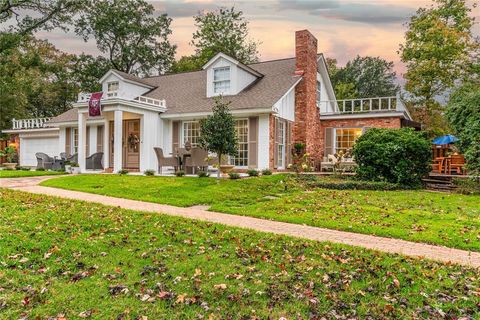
(221, 80)
(112, 89)
(319, 89)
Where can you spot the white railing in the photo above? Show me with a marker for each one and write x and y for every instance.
(35, 123)
(364, 105)
(151, 101)
(85, 97)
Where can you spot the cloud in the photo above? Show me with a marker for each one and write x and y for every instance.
(307, 5)
(181, 9)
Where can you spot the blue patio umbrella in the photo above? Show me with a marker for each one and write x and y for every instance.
(446, 139)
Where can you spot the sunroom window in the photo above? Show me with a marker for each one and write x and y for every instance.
(221, 80)
(345, 139)
(191, 132)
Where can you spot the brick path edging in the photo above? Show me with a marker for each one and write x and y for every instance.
(389, 245)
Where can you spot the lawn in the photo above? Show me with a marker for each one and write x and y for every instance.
(23, 173)
(71, 259)
(446, 219)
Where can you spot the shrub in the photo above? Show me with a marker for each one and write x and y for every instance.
(123, 171)
(40, 169)
(180, 173)
(22, 168)
(467, 185)
(266, 172)
(399, 156)
(252, 173)
(234, 175)
(149, 172)
(357, 185)
(203, 174)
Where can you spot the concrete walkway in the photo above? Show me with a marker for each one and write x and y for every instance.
(389, 245)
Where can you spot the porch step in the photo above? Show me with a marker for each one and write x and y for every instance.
(439, 183)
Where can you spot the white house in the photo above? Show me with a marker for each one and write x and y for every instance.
(276, 103)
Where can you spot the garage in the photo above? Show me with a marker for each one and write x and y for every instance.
(31, 145)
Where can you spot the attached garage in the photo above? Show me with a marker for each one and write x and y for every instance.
(31, 143)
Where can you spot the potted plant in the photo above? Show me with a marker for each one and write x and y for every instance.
(10, 153)
(74, 168)
(68, 166)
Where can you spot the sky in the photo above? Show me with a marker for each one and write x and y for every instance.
(344, 28)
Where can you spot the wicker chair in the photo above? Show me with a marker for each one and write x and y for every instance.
(73, 158)
(44, 161)
(94, 162)
(64, 155)
(198, 159)
(165, 161)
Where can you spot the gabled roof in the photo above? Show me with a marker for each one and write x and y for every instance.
(126, 77)
(186, 92)
(234, 61)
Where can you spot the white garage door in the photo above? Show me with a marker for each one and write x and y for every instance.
(30, 146)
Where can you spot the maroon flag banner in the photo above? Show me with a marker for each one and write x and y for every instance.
(94, 106)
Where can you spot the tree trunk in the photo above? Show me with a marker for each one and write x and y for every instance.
(219, 164)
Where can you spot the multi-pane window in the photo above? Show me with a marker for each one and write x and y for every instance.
(281, 144)
(345, 138)
(319, 90)
(112, 86)
(75, 141)
(191, 132)
(241, 128)
(221, 80)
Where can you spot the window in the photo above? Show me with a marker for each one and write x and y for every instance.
(112, 86)
(75, 141)
(241, 128)
(319, 90)
(281, 144)
(221, 80)
(345, 138)
(191, 132)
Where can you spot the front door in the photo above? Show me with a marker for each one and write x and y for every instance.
(130, 144)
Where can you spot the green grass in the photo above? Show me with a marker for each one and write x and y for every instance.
(23, 173)
(64, 258)
(445, 219)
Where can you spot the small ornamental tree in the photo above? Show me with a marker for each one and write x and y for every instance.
(217, 132)
(399, 156)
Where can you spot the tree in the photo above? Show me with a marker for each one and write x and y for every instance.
(224, 30)
(35, 81)
(48, 14)
(363, 77)
(217, 132)
(127, 31)
(87, 70)
(463, 114)
(438, 52)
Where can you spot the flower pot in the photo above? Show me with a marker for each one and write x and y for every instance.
(68, 168)
(75, 170)
(225, 169)
(10, 165)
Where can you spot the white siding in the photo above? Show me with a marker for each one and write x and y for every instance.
(263, 141)
(239, 78)
(167, 137)
(30, 146)
(92, 143)
(126, 90)
(150, 131)
(286, 106)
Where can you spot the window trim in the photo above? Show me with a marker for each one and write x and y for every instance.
(110, 83)
(319, 92)
(228, 79)
(74, 146)
(182, 133)
(282, 157)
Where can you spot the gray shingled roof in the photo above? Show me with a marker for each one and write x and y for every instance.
(131, 77)
(69, 116)
(186, 92)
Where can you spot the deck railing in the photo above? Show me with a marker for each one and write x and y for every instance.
(35, 123)
(85, 97)
(364, 105)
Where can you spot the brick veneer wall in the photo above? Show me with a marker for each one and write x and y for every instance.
(388, 122)
(307, 126)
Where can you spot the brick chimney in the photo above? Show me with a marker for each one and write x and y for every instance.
(307, 118)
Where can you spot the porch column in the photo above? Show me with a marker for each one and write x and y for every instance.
(117, 144)
(106, 144)
(82, 140)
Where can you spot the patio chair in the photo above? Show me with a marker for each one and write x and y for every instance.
(44, 161)
(198, 159)
(64, 155)
(457, 163)
(94, 162)
(73, 158)
(165, 161)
